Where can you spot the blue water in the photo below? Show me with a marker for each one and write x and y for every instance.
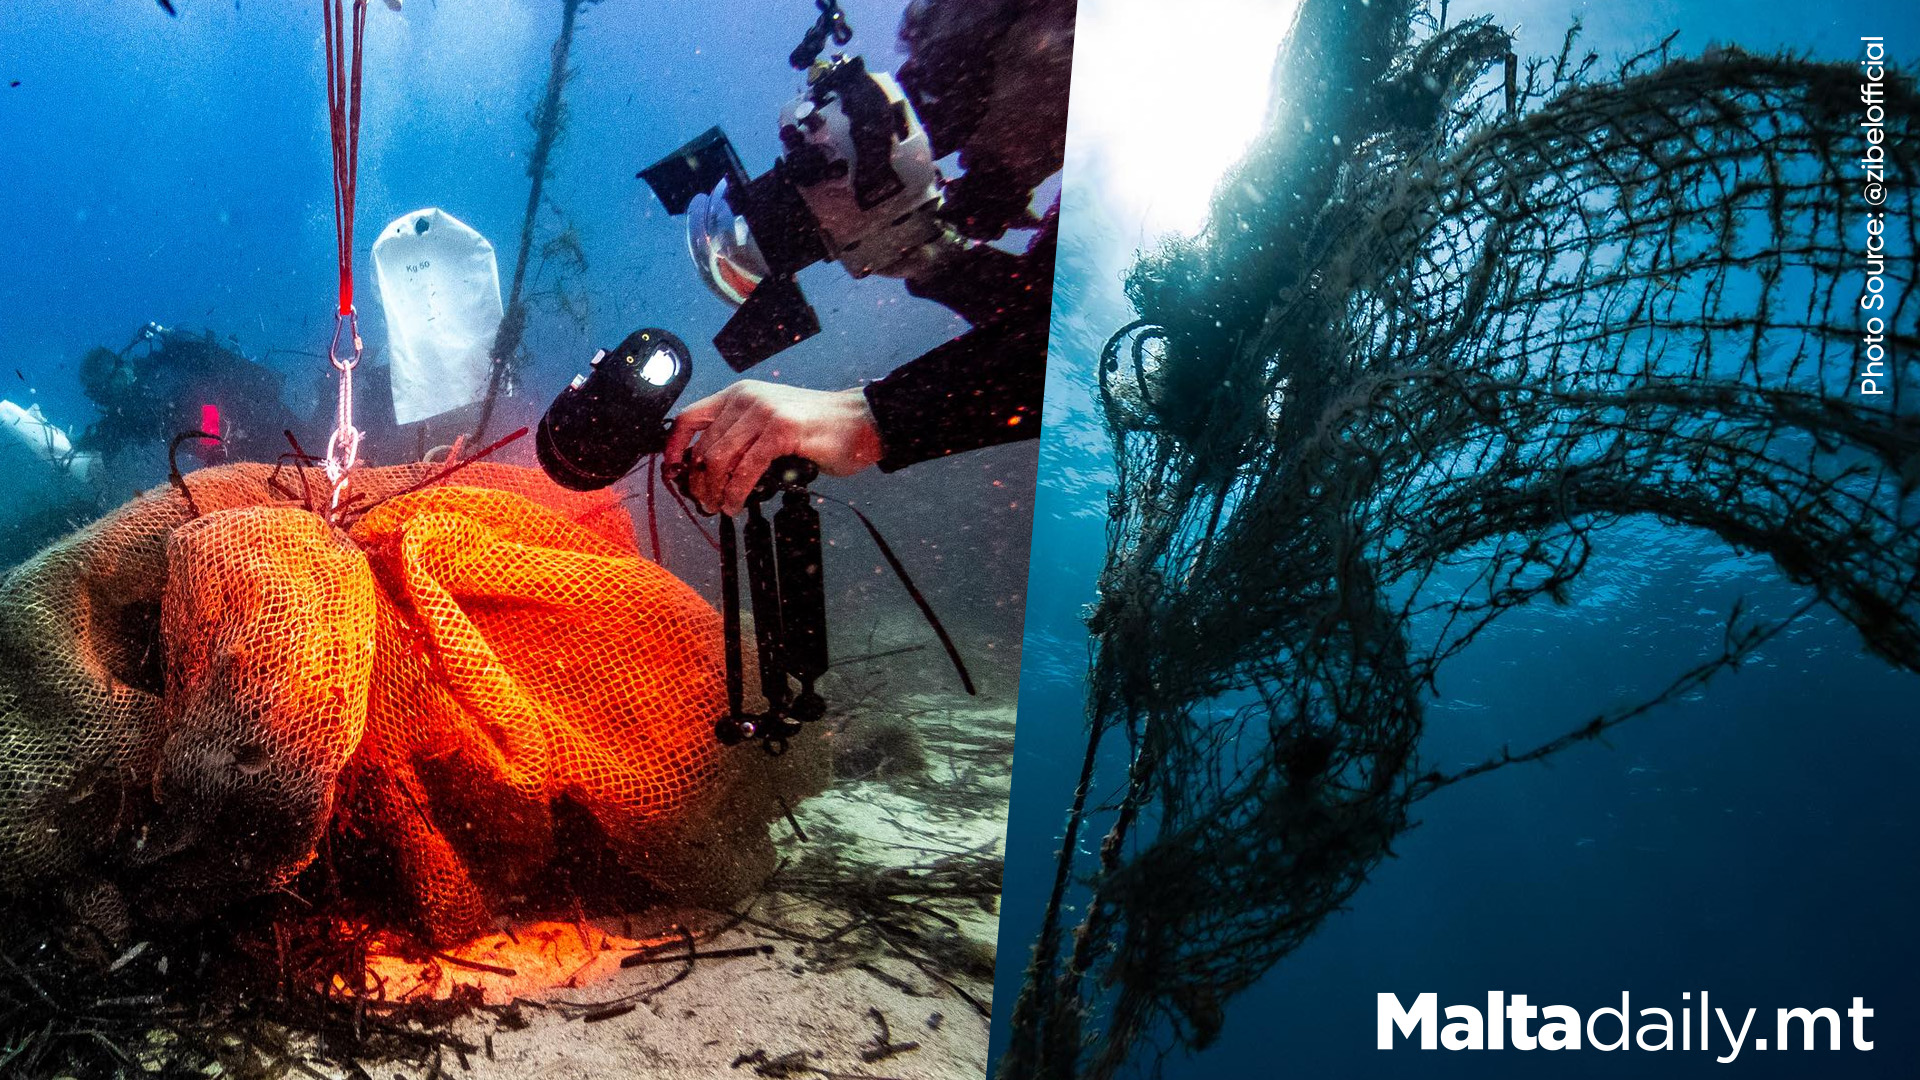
(1753, 841)
(178, 170)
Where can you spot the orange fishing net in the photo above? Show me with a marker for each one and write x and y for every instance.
(196, 695)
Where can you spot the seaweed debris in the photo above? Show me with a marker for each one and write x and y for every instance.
(859, 915)
(265, 1004)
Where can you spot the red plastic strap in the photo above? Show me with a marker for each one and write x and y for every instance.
(343, 117)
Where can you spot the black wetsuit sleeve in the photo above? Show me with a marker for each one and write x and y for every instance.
(982, 388)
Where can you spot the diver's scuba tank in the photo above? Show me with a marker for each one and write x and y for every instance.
(47, 444)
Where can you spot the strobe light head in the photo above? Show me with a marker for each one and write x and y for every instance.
(610, 417)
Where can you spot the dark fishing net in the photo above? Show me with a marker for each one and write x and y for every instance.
(1432, 344)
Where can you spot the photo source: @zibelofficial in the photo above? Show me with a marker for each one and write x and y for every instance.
(1874, 363)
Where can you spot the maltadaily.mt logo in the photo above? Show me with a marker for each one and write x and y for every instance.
(1510, 1021)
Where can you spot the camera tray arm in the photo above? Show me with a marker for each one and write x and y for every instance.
(788, 598)
(787, 592)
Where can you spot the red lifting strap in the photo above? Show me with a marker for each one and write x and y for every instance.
(343, 115)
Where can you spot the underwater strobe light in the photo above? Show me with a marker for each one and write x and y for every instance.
(605, 421)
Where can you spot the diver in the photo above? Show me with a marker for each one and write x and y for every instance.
(989, 81)
(168, 382)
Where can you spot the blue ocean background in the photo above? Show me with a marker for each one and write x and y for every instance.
(177, 169)
(1753, 840)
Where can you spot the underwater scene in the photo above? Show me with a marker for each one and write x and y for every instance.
(380, 693)
(1475, 560)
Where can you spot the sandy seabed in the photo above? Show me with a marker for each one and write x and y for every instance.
(877, 968)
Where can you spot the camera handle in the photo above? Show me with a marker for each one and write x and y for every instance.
(830, 25)
(788, 597)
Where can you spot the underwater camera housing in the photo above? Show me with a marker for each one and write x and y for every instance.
(605, 421)
(856, 184)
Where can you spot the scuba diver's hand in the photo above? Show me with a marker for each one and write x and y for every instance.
(742, 429)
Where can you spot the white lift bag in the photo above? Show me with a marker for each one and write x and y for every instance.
(440, 288)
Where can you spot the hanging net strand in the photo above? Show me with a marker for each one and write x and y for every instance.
(343, 117)
(1496, 321)
(548, 120)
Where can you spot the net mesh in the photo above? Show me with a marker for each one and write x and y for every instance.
(1356, 425)
(204, 689)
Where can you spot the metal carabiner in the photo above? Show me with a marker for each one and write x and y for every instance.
(343, 445)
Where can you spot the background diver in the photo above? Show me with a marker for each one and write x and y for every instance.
(167, 382)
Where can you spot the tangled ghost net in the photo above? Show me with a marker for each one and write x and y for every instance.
(424, 698)
(1432, 338)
